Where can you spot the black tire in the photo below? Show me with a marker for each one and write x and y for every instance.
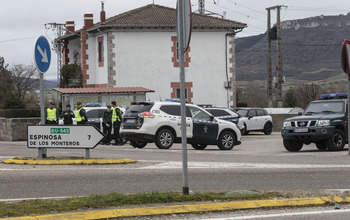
(164, 139)
(292, 145)
(199, 146)
(337, 142)
(244, 130)
(227, 140)
(138, 144)
(321, 146)
(267, 129)
(124, 140)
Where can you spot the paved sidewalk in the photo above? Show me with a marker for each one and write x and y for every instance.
(191, 208)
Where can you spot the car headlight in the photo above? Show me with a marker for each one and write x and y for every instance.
(323, 122)
(287, 124)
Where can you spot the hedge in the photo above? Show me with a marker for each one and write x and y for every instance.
(19, 113)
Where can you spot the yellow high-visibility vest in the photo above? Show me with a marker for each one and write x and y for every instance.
(78, 117)
(51, 114)
(115, 117)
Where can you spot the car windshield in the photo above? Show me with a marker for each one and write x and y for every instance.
(324, 107)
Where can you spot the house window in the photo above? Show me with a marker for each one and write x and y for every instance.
(100, 51)
(175, 58)
(176, 91)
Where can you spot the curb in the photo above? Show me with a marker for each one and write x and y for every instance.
(68, 162)
(193, 208)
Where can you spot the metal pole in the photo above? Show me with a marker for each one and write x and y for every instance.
(41, 151)
(185, 188)
(348, 112)
(279, 61)
(269, 71)
(87, 153)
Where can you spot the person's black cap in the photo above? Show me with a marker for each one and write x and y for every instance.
(113, 103)
(78, 103)
(68, 105)
(52, 103)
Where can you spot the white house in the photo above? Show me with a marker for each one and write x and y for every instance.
(138, 49)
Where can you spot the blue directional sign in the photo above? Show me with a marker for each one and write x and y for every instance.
(42, 54)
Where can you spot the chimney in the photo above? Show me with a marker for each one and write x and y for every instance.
(102, 13)
(88, 20)
(70, 27)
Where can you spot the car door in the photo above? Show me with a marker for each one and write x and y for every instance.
(261, 118)
(252, 121)
(204, 128)
(174, 118)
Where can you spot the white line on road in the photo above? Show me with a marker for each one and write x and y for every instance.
(214, 165)
(281, 215)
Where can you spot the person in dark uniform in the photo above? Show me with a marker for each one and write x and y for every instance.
(80, 114)
(107, 125)
(117, 120)
(67, 115)
(51, 114)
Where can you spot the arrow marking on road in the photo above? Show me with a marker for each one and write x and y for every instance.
(43, 54)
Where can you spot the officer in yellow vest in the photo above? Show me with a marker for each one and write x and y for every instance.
(51, 114)
(117, 120)
(80, 114)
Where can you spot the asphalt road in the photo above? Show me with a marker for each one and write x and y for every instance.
(259, 163)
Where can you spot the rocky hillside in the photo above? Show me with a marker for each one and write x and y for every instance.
(310, 50)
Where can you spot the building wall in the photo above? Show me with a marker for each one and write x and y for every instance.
(15, 129)
(145, 59)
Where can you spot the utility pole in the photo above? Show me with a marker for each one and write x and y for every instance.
(201, 7)
(58, 29)
(274, 34)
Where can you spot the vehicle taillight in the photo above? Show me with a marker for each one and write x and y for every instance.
(146, 115)
(239, 115)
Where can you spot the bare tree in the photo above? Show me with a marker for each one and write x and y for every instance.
(25, 79)
(307, 93)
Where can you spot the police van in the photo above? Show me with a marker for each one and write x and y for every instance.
(160, 123)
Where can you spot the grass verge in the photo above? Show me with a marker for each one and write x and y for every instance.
(41, 206)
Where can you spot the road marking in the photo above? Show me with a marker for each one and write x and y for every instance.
(281, 215)
(216, 165)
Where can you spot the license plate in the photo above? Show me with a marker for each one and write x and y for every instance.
(130, 121)
(301, 130)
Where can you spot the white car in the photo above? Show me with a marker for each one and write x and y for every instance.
(160, 122)
(227, 115)
(94, 115)
(255, 119)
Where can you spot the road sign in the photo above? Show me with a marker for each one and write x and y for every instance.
(187, 22)
(42, 54)
(78, 136)
(345, 57)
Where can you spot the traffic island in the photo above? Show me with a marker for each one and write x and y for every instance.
(66, 161)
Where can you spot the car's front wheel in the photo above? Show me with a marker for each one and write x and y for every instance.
(164, 139)
(227, 140)
(337, 141)
(138, 144)
(199, 146)
(292, 145)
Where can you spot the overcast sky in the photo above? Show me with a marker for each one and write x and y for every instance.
(22, 21)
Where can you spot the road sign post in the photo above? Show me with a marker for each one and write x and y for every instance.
(183, 27)
(42, 60)
(67, 137)
(345, 63)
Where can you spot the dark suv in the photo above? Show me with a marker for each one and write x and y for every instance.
(324, 122)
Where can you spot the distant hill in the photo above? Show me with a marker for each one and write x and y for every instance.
(310, 50)
(49, 84)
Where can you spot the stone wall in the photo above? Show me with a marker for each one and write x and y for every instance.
(15, 129)
(278, 120)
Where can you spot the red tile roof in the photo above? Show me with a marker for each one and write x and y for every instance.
(101, 90)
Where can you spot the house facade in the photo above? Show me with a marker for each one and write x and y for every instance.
(138, 48)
